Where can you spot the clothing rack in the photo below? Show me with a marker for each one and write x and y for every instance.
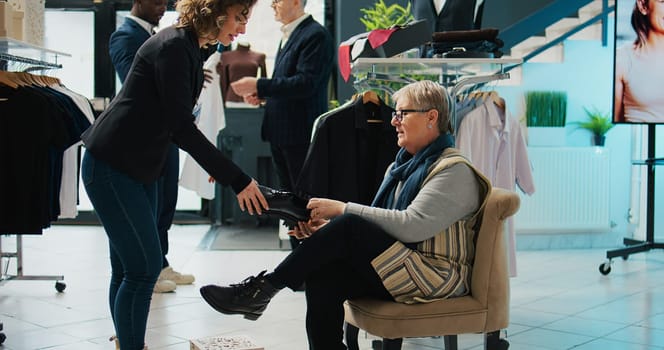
(457, 74)
(12, 50)
(634, 246)
(37, 64)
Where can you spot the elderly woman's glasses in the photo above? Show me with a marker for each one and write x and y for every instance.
(401, 113)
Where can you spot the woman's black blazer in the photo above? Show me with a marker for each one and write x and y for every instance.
(154, 108)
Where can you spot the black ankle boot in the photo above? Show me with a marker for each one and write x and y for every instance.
(248, 298)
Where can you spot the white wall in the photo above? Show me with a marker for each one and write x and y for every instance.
(587, 76)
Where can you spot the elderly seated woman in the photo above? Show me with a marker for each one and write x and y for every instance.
(414, 244)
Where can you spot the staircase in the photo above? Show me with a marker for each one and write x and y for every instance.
(540, 36)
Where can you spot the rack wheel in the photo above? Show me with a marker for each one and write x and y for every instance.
(60, 286)
(605, 268)
(2, 338)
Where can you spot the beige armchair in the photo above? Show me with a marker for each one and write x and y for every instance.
(485, 310)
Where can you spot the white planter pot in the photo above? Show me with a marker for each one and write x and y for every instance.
(546, 136)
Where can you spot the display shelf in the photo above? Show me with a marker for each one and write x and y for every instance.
(13, 50)
(457, 74)
(434, 66)
(454, 73)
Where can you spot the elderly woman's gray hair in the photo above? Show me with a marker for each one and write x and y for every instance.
(427, 94)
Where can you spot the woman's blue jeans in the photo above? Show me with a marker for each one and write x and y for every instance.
(127, 209)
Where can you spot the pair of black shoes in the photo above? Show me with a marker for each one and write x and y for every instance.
(285, 205)
(249, 298)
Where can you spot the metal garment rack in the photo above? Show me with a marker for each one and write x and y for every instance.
(457, 74)
(633, 246)
(34, 58)
(35, 64)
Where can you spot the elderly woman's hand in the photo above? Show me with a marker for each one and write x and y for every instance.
(322, 208)
(305, 229)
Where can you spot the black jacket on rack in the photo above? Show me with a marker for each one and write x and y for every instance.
(348, 155)
(37, 126)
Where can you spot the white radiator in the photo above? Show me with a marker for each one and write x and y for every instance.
(572, 191)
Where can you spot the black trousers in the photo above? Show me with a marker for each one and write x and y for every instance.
(335, 263)
(288, 162)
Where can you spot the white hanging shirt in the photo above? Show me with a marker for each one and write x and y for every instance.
(69, 181)
(210, 121)
(493, 141)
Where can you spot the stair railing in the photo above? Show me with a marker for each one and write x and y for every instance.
(602, 16)
(539, 20)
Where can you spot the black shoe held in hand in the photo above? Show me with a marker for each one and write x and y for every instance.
(285, 205)
(249, 298)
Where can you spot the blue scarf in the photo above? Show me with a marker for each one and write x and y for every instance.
(411, 170)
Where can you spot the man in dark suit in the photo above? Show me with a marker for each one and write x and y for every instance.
(297, 92)
(123, 45)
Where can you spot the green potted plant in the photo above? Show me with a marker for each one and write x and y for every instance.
(598, 123)
(546, 115)
(382, 16)
(546, 108)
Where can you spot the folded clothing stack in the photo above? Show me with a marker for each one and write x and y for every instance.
(479, 43)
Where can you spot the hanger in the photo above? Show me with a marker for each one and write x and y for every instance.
(46, 80)
(35, 79)
(371, 96)
(489, 95)
(497, 100)
(23, 79)
(52, 81)
(16, 79)
(5, 79)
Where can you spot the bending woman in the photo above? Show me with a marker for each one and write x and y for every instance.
(128, 143)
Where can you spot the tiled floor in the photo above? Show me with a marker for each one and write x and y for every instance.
(559, 300)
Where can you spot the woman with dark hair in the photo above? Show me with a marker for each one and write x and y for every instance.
(638, 97)
(127, 146)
